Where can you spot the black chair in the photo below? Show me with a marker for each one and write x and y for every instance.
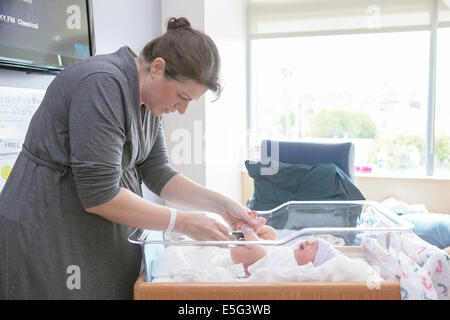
(340, 154)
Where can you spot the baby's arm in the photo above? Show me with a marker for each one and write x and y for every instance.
(263, 231)
(247, 255)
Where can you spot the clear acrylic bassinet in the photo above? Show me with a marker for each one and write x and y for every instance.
(344, 223)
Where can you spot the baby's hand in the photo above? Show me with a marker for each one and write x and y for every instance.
(260, 224)
(241, 226)
(260, 221)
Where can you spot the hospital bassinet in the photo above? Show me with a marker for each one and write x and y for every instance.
(346, 222)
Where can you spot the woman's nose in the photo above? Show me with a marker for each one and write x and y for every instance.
(182, 106)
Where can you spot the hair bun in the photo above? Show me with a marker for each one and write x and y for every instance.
(176, 23)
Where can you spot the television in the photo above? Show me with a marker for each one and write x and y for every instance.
(45, 35)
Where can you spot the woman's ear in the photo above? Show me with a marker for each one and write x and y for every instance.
(158, 66)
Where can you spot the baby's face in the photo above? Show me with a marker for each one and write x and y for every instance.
(306, 251)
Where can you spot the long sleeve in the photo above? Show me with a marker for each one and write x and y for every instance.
(97, 136)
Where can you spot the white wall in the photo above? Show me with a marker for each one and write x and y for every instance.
(190, 127)
(132, 23)
(225, 125)
(216, 129)
(20, 79)
(191, 9)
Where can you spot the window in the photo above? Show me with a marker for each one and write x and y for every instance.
(353, 75)
(442, 132)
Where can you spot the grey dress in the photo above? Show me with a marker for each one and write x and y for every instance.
(87, 140)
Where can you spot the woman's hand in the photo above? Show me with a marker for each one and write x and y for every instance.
(235, 213)
(200, 227)
(197, 197)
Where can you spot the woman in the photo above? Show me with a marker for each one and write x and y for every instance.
(74, 194)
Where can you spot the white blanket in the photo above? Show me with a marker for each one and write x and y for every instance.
(178, 264)
(185, 263)
(424, 269)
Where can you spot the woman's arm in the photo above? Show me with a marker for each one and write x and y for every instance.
(183, 191)
(129, 209)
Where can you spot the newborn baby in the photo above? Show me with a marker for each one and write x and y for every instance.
(316, 251)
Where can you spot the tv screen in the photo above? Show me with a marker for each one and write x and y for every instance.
(44, 35)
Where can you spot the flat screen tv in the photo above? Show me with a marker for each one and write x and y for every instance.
(45, 35)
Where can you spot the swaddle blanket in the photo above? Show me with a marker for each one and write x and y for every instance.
(178, 264)
(424, 269)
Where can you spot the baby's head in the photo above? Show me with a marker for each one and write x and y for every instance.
(316, 251)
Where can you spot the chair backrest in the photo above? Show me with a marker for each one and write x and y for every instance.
(340, 154)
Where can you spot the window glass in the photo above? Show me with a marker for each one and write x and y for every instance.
(442, 127)
(370, 89)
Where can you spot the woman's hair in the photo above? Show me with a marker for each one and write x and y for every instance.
(189, 54)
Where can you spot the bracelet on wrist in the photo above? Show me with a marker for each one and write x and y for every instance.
(247, 229)
(173, 217)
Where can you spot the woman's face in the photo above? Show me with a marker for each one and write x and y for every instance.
(161, 95)
(305, 252)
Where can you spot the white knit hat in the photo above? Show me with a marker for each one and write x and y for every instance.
(325, 252)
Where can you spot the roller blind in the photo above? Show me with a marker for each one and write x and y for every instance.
(267, 17)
